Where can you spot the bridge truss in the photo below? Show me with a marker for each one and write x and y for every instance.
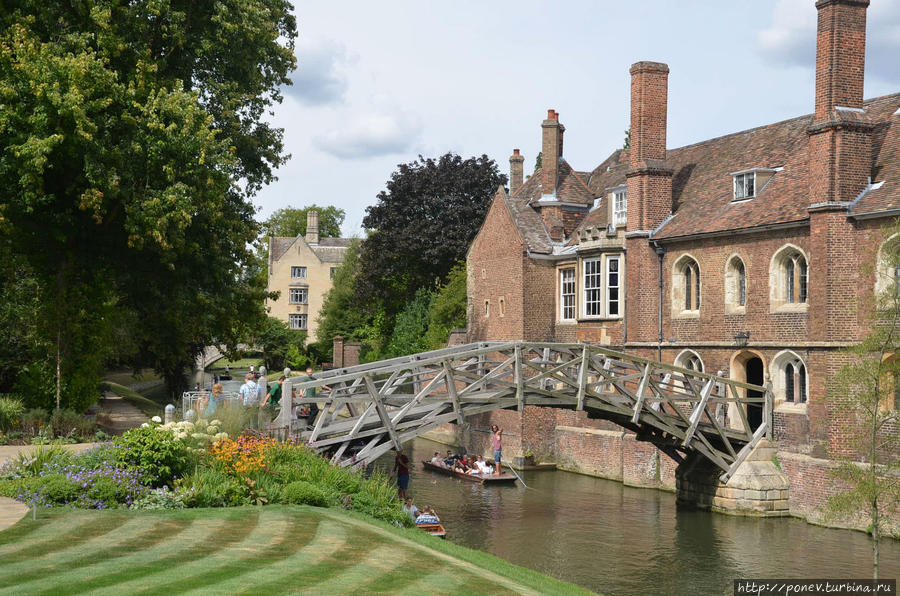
(372, 408)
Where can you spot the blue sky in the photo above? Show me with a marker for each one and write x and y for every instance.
(380, 83)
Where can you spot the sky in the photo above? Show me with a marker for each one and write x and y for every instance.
(380, 83)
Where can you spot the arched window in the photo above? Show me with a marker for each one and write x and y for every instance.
(887, 272)
(690, 360)
(735, 285)
(790, 382)
(789, 278)
(686, 286)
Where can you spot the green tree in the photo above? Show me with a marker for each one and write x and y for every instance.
(279, 344)
(135, 134)
(291, 221)
(538, 160)
(410, 329)
(421, 226)
(341, 314)
(864, 397)
(448, 309)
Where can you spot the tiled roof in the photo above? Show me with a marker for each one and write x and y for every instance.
(702, 188)
(329, 250)
(885, 112)
(527, 220)
(571, 186)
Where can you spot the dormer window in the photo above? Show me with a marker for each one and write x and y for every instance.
(748, 183)
(744, 186)
(620, 207)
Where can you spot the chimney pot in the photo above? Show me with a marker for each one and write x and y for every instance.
(551, 150)
(515, 152)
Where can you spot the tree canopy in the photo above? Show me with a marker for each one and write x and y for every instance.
(291, 221)
(131, 140)
(422, 225)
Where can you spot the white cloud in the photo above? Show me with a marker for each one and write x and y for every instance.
(791, 37)
(320, 76)
(381, 133)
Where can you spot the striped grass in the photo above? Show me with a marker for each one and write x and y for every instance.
(245, 550)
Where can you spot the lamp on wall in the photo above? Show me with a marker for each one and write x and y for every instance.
(742, 337)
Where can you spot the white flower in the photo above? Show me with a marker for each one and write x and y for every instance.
(216, 423)
(156, 419)
(202, 422)
(212, 430)
(145, 425)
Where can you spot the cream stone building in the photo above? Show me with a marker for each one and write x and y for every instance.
(302, 269)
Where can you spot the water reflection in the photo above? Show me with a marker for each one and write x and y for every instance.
(620, 540)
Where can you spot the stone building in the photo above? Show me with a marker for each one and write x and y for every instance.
(301, 269)
(749, 255)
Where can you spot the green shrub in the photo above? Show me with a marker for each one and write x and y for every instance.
(207, 487)
(160, 498)
(69, 424)
(56, 488)
(234, 419)
(33, 420)
(33, 463)
(304, 493)
(155, 453)
(11, 409)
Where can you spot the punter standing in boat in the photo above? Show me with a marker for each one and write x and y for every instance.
(401, 467)
(497, 441)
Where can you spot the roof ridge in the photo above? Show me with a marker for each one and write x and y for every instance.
(578, 177)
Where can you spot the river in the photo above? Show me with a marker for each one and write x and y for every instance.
(619, 540)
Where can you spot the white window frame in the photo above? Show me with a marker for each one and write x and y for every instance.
(567, 299)
(740, 186)
(298, 296)
(620, 211)
(592, 295)
(298, 272)
(610, 287)
(298, 321)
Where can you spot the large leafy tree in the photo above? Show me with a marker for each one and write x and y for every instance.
(131, 140)
(291, 221)
(422, 225)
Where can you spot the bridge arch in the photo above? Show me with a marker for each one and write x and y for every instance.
(372, 408)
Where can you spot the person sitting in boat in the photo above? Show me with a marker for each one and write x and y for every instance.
(437, 459)
(450, 460)
(461, 466)
(483, 467)
(428, 516)
(410, 509)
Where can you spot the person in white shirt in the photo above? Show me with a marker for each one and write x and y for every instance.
(411, 510)
(483, 467)
(250, 391)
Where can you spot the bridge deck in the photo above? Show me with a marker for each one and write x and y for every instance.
(372, 408)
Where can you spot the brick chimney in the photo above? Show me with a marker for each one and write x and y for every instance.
(840, 138)
(551, 151)
(649, 179)
(312, 227)
(516, 171)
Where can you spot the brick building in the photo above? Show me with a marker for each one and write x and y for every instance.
(749, 255)
(301, 269)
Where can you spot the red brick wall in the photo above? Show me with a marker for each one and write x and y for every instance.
(840, 56)
(495, 269)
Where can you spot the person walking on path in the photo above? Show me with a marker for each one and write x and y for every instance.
(401, 468)
(310, 394)
(272, 399)
(497, 443)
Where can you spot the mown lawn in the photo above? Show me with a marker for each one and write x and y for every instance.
(246, 550)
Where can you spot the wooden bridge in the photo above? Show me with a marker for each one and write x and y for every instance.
(372, 408)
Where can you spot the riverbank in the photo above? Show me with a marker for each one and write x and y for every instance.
(272, 549)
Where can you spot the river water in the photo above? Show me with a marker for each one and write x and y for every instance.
(619, 540)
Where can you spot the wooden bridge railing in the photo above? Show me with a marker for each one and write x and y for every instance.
(372, 408)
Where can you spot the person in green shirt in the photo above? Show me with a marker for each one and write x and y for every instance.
(273, 397)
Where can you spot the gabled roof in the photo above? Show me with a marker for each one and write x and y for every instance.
(571, 186)
(527, 220)
(702, 187)
(328, 250)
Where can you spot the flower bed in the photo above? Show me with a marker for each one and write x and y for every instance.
(189, 464)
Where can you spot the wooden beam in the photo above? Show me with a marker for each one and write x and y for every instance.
(520, 395)
(451, 391)
(697, 413)
(639, 401)
(382, 413)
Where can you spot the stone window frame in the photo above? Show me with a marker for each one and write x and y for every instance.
(736, 285)
(298, 272)
(689, 359)
(892, 401)
(501, 306)
(686, 267)
(887, 276)
(302, 296)
(789, 362)
(487, 309)
(298, 321)
(787, 268)
(562, 294)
